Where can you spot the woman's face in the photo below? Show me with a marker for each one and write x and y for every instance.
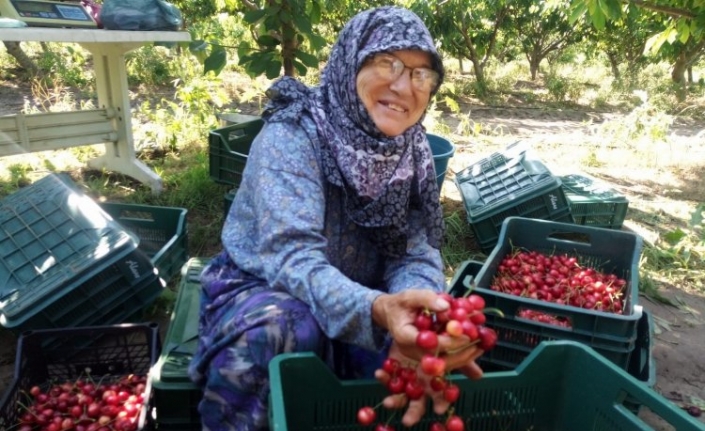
(395, 103)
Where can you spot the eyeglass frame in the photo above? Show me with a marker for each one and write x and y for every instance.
(375, 61)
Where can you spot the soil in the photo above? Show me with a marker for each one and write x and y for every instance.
(663, 187)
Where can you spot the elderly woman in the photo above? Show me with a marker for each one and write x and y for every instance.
(332, 241)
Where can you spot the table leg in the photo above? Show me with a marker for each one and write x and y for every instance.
(111, 86)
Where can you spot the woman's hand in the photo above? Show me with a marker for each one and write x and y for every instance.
(417, 408)
(397, 313)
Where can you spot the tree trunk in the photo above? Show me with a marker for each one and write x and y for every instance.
(479, 70)
(534, 63)
(26, 63)
(614, 65)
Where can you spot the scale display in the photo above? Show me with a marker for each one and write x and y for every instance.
(44, 13)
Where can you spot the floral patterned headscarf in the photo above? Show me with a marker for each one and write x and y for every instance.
(383, 177)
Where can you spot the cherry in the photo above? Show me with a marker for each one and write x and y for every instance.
(396, 385)
(433, 365)
(427, 339)
(437, 383)
(437, 426)
(455, 423)
(414, 389)
(451, 393)
(391, 366)
(488, 338)
(366, 416)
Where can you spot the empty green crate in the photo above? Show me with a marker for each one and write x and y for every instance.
(65, 262)
(228, 201)
(560, 386)
(47, 356)
(593, 203)
(162, 232)
(610, 251)
(176, 397)
(228, 149)
(513, 183)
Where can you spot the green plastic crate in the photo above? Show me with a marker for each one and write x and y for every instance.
(228, 149)
(512, 183)
(228, 201)
(110, 352)
(64, 262)
(176, 397)
(638, 360)
(561, 386)
(594, 203)
(162, 232)
(611, 251)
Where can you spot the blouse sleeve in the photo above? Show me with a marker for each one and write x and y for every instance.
(276, 229)
(421, 267)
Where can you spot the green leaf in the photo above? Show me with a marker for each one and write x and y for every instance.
(674, 236)
(199, 49)
(306, 58)
(317, 42)
(302, 24)
(272, 11)
(257, 65)
(300, 68)
(253, 16)
(577, 10)
(452, 104)
(267, 40)
(216, 61)
(598, 19)
(273, 69)
(683, 29)
(696, 218)
(315, 12)
(654, 43)
(611, 8)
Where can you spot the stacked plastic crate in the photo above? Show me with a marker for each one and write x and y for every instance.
(176, 397)
(65, 262)
(506, 184)
(228, 149)
(594, 203)
(621, 336)
(52, 357)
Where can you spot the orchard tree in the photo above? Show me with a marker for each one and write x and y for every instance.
(283, 34)
(466, 29)
(624, 40)
(543, 28)
(683, 32)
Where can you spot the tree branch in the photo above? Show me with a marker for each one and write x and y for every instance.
(668, 10)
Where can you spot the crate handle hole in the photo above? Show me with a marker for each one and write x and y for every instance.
(566, 236)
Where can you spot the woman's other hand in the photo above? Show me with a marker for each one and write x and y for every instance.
(417, 408)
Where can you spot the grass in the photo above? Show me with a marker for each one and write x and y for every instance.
(174, 122)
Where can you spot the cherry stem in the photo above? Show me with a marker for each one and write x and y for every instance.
(493, 310)
(467, 346)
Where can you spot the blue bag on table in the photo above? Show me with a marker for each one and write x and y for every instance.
(140, 15)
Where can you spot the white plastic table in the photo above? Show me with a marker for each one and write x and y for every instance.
(111, 123)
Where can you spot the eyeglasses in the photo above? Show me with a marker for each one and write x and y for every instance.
(390, 68)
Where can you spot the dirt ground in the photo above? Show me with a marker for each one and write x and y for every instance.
(661, 195)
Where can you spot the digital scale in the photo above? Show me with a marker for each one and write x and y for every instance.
(47, 13)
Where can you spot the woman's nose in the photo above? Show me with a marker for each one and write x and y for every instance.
(402, 84)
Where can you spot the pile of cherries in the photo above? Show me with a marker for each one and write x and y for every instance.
(464, 318)
(560, 279)
(84, 405)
